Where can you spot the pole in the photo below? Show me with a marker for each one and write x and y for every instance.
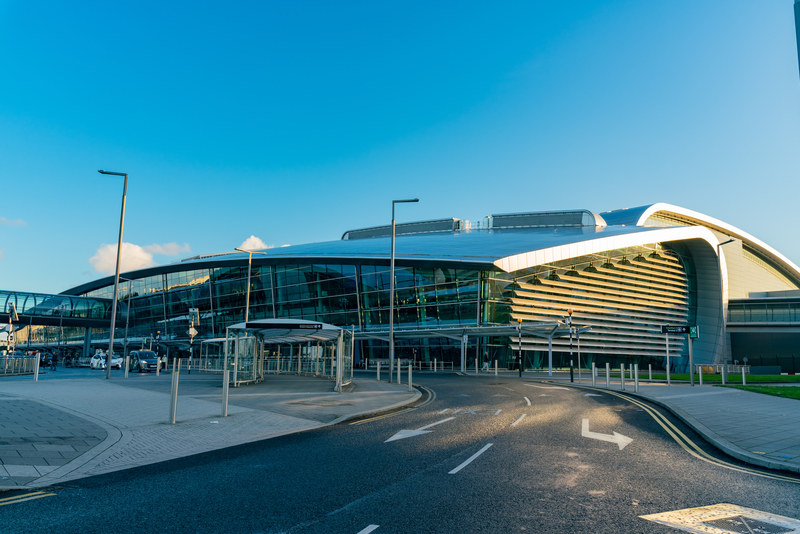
(379, 372)
(622, 376)
(116, 278)
(247, 299)
(700, 368)
(495, 368)
(636, 377)
(578, 339)
(666, 336)
(550, 354)
(608, 375)
(225, 384)
(594, 375)
(391, 305)
(570, 344)
(691, 362)
(519, 338)
(173, 399)
(409, 377)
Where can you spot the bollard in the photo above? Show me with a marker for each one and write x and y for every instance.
(700, 368)
(744, 380)
(158, 366)
(36, 369)
(571, 372)
(495, 368)
(668, 380)
(622, 377)
(435, 361)
(608, 375)
(649, 371)
(225, 380)
(724, 373)
(379, 371)
(631, 369)
(127, 365)
(399, 367)
(594, 375)
(636, 378)
(173, 399)
(409, 377)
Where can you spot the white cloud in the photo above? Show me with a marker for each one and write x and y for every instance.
(15, 222)
(254, 243)
(168, 249)
(133, 256)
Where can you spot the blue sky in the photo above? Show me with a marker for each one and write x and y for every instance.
(296, 121)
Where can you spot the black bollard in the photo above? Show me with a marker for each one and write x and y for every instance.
(571, 372)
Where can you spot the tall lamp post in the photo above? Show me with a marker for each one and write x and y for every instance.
(391, 293)
(116, 275)
(249, 269)
(797, 27)
(722, 313)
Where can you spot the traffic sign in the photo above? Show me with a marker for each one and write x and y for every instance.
(694, 332)
(284, 326)
(667, 329)
(192, 332)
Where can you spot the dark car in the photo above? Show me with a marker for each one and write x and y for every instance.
(143, 360)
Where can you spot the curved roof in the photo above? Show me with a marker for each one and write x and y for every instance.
(639, 215)
(506, 249)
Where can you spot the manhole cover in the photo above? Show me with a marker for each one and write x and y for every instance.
(721, 518)
(748, 525)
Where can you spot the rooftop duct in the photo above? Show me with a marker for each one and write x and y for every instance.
(537, 219)
(421, 227)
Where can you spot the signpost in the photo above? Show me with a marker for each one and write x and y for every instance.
(694, 333)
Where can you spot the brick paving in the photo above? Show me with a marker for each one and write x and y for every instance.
(60, 430)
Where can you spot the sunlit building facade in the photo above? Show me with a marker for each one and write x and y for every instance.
(623, 273)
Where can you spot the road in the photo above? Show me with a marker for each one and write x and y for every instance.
(476, 454)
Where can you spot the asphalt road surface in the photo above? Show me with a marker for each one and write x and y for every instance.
(475, 454)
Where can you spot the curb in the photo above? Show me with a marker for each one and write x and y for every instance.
(711, 437)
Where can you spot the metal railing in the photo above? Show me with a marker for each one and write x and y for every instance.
(17, 365)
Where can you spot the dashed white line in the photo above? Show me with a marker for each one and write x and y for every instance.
(368, 529)
(521, 417)
(445, 410)
(498, 411)
(527, 400)
(470, 459)
(426, 427)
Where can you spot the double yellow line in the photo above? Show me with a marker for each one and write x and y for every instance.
(687, 444)
(25, 497)
(430, 399)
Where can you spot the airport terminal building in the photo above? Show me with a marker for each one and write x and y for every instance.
(621, 273)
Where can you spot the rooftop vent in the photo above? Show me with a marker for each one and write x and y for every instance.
(537, 219)
(420, 227)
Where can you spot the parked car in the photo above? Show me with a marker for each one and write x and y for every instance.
(143, 360)
(98, 361)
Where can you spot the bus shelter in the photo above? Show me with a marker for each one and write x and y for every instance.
(293, 346)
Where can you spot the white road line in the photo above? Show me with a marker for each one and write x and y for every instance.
(498, 411)
(470, 459)
(436, 423)
(368, 529)
(445, 410)
(527, 400)
(521, 417)
(546, 387)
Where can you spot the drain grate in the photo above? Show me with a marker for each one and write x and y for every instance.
(747, 525)
(722, 518)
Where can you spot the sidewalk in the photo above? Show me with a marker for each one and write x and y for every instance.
(53, 431)
(755, 428)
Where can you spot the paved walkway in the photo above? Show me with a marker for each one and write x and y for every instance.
(53, 431)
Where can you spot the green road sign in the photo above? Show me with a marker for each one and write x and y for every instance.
(694, 332)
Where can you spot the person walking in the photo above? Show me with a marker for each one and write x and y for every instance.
(54, 361)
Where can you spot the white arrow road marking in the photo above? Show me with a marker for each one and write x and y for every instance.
(521, 417)
(368, 529)
(592, 395)
(469, 460)
(547, 387)
(527, 400)
(418, 432)
(619, 439)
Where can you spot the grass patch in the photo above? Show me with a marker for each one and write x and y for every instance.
(715, 379)
(778, 391)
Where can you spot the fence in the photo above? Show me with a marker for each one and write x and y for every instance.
(17, 365)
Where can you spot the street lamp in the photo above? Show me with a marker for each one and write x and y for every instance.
(722, 314)
(391, 292)
(116, 275)
(249, 268)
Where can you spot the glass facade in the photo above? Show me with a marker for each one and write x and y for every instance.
(624, 296)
